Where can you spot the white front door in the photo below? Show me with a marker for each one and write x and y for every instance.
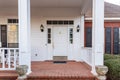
(60, 41)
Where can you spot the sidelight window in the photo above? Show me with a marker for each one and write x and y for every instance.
(49, 35)
(71, 35)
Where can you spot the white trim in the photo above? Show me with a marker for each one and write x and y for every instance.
(3, 69)
(70, 46)
(82, 30)
(0, 37)
(49, 46)
(112, 18)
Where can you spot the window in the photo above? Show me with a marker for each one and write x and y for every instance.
(71, 35)
(49, 35)
(12, 33)
(12, 20)
(108, 40)
(88, 36)
(13, 36)
(60, 22)
(65, 22)
(116, 40)
(71, 22)
(3, 35)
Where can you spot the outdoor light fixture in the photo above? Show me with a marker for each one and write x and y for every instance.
(78, 28)
(42, 28)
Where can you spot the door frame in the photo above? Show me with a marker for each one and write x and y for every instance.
(70, 47)
(50, 50)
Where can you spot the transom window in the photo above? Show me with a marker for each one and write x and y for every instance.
(60, 22)
(12, 20)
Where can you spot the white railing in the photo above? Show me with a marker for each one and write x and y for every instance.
(87, 55)
(9, 58)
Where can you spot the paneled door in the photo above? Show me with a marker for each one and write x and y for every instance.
(60, 41)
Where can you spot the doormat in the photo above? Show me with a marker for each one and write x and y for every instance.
(60, 62)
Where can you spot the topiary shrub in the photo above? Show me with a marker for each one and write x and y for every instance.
(113, 64)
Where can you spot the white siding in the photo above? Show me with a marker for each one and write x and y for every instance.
(40, 51)
(39, 40)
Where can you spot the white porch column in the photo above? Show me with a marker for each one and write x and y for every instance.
(24, 33)
(97, 34)
(82, 26)
(82, 30)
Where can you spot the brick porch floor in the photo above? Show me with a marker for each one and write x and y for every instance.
(48, 70)
(56, 71)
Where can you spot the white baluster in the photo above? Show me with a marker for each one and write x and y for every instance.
(15, 56)
(0, 56)
(9, 58)
(3, 58)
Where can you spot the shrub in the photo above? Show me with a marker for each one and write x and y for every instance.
(113, 63)
(108, 56)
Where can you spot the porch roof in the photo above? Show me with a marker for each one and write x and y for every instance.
(111, 11)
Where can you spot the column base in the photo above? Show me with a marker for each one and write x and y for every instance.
(22, 77)
(102, 77)
(29, 72)
(94, 72)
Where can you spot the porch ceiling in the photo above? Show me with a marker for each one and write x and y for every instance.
(45, 3)
(80, 4)
(57, 3)
(8, 3)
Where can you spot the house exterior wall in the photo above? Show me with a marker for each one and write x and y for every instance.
(39, 49)
(43, 51)
(25, 38)
(4, 21)
(39, 39)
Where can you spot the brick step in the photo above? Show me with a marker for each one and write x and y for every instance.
(8, 78)
(60, 78)
(8, 75)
